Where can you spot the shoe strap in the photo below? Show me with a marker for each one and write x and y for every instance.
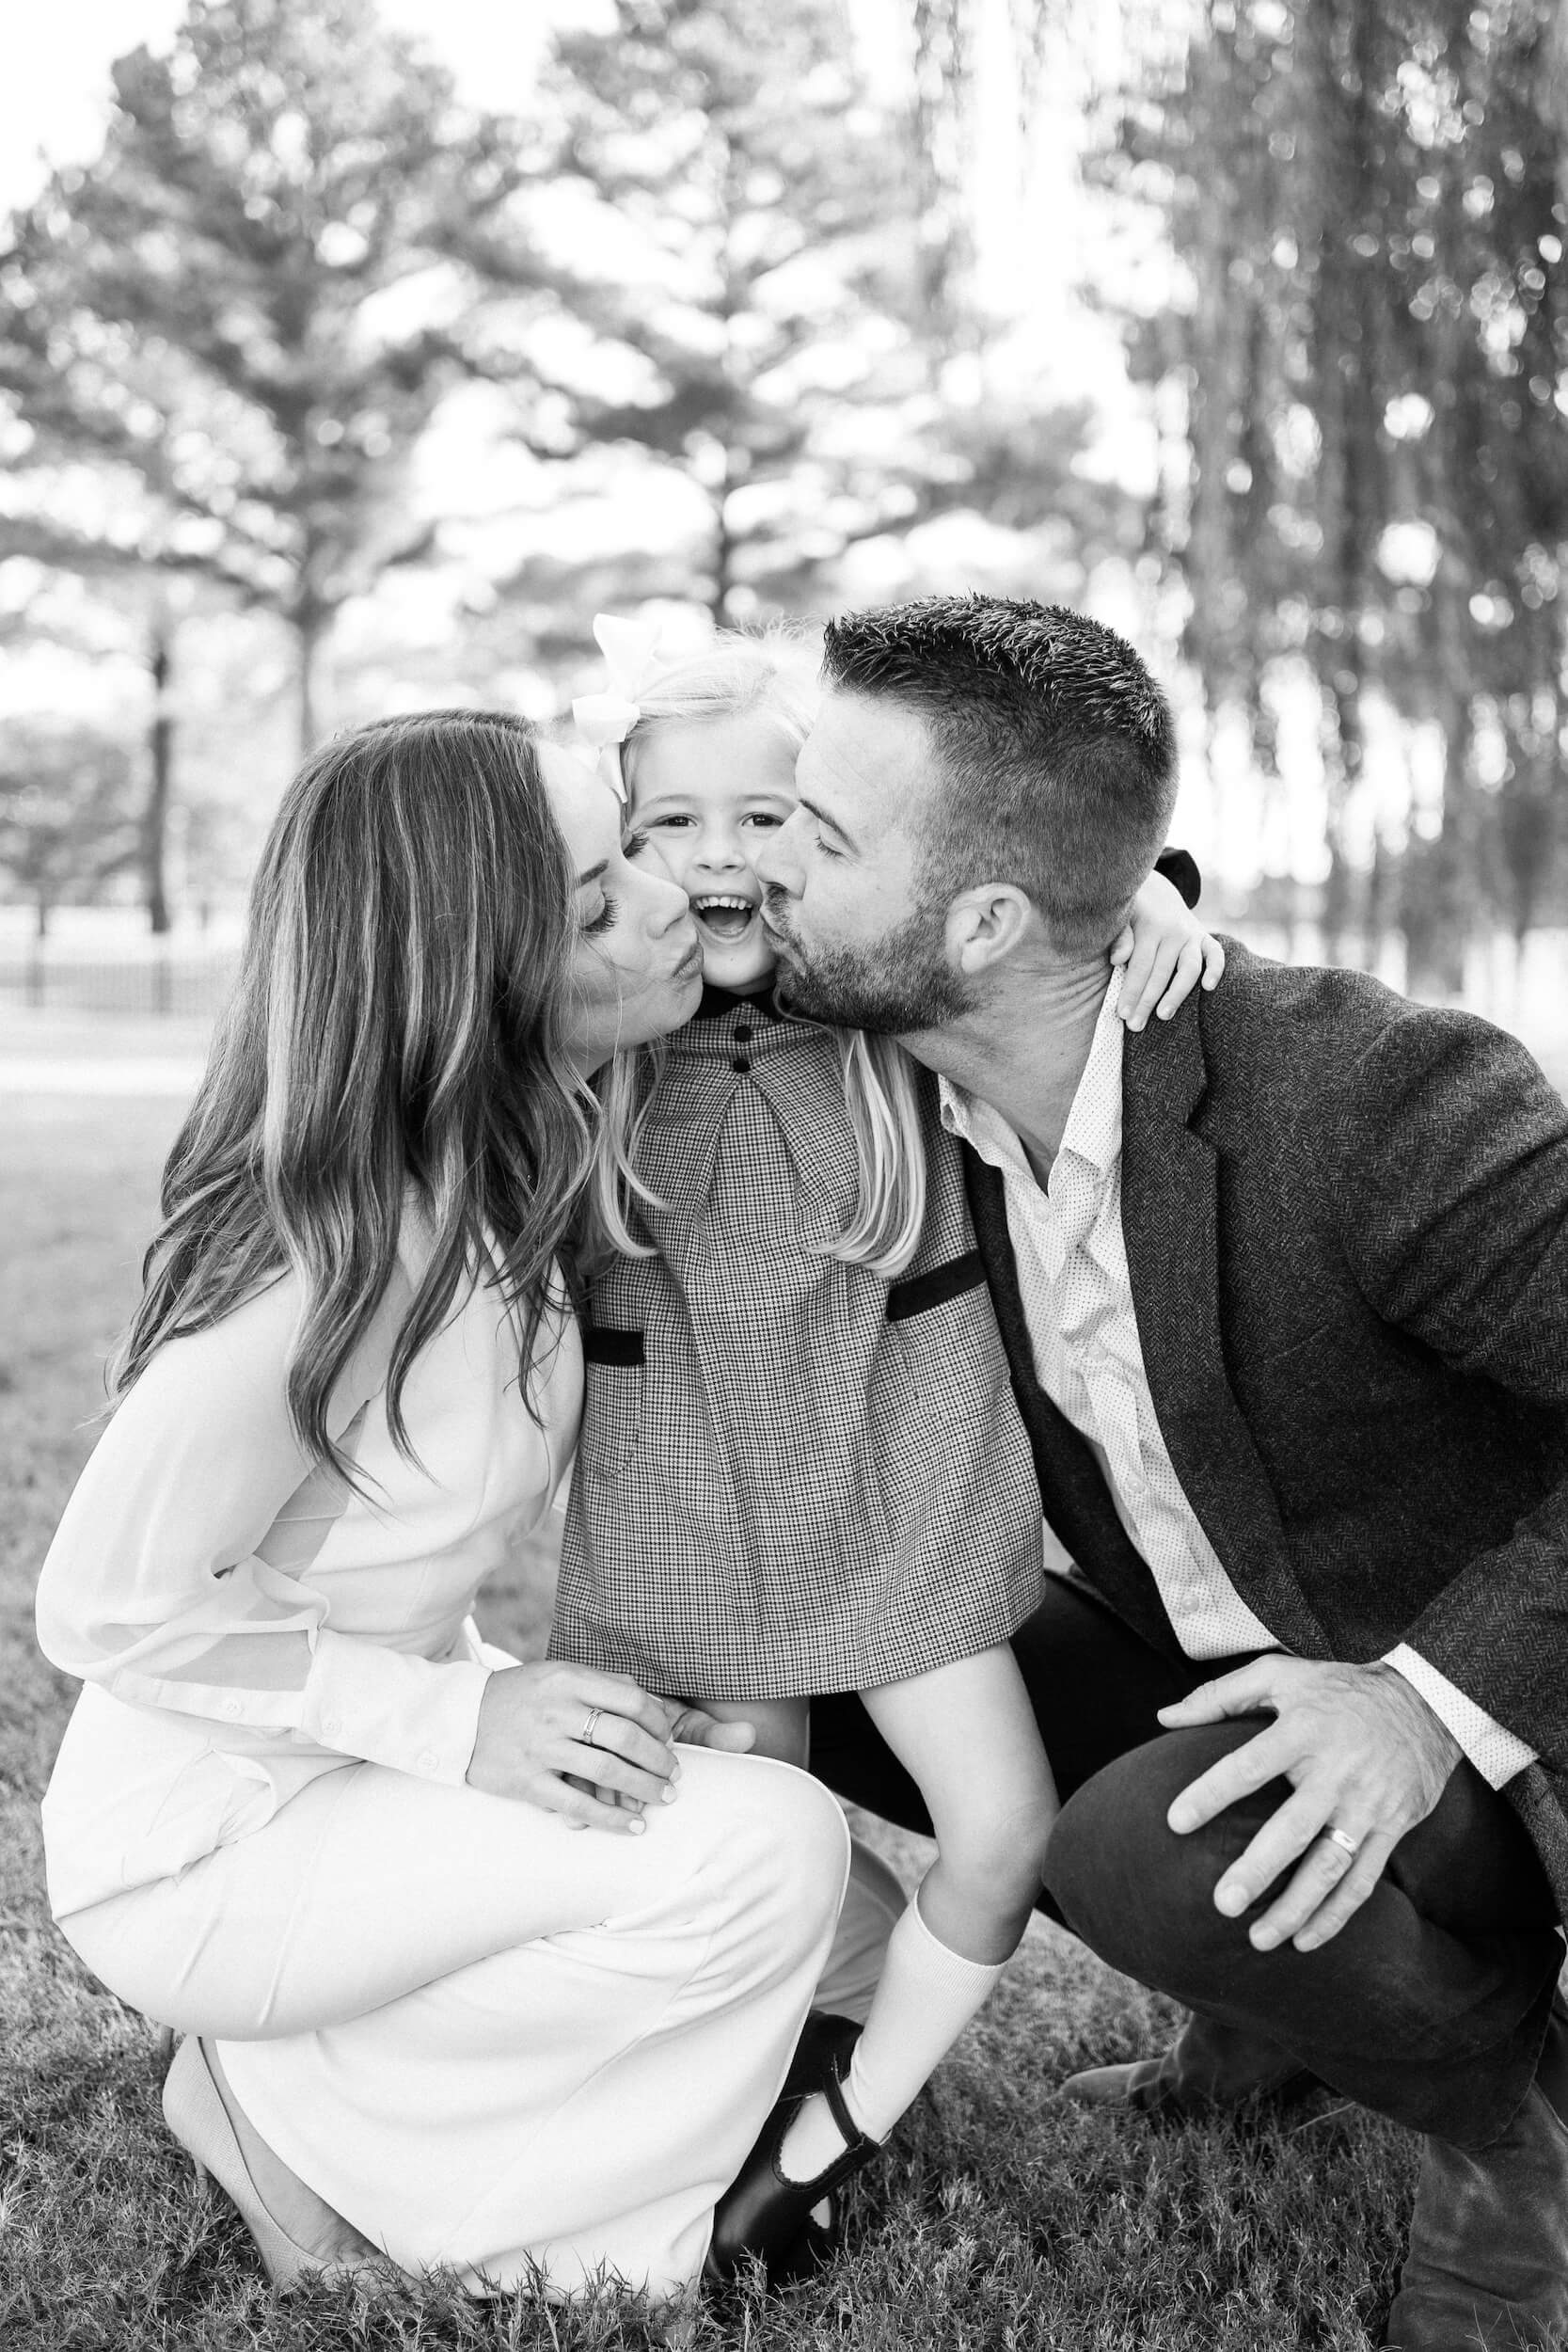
(857, 2143)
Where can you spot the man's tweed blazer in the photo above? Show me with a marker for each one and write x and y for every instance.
(1346, 1220)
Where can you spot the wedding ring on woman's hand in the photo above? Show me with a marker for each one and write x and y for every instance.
(585, 1737)
(1344, 1840)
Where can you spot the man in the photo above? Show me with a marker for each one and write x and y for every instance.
(1284, 1286)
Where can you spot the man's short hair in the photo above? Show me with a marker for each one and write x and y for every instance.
(1056, 749)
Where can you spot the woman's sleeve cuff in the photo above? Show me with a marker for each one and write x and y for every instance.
(416, 1715)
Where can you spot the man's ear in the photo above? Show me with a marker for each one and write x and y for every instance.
(984, 925)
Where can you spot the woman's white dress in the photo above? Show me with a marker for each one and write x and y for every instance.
(486, 2039)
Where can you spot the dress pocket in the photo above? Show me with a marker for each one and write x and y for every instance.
(941, 1334)
(615, 1379)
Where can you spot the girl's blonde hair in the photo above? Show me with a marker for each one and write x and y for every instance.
(397, 1025)
(773, 675)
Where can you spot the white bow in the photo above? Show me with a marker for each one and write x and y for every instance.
(630, 649)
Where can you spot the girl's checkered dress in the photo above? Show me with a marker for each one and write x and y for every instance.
(792, 1478)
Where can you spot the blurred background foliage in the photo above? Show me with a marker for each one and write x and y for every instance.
(324, 391)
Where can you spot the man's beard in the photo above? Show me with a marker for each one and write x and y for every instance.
(900, 984)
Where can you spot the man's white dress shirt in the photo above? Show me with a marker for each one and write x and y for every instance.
(1077, 1298)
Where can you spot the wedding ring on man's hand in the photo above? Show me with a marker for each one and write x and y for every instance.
(1344, 1840)
(585, 1737)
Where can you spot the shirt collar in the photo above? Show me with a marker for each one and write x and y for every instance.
(716, 1002)
(1093, 1130)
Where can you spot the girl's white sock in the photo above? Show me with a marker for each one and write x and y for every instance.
(926, 1996)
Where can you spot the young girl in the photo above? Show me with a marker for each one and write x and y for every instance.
(801, 1465)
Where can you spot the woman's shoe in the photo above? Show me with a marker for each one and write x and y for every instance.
(763, 2212)
(195, 2113)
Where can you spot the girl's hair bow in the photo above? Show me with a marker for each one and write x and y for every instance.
(630, 649)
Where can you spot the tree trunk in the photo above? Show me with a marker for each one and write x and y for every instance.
(1342, 762)
(1444, 881)
(1441, 882)
(1337, 892)
(308, 632)
(160, 743)
(1379, 895)
(724, 553)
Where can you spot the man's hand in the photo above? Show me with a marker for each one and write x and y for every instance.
(1363, 1753)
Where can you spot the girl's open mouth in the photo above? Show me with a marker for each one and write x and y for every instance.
(723, 917)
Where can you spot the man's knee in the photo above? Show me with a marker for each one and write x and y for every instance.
(1136, 1893)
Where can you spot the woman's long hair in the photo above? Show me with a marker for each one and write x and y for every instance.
(768, 673)
(395, 1039)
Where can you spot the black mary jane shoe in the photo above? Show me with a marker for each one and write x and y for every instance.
(764, 2214)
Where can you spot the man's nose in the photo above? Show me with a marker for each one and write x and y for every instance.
(778, 861)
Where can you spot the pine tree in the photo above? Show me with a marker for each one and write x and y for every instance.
(752, 292)
(251, 304)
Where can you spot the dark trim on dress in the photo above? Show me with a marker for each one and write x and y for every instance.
(935, 1288)
(603, 1345)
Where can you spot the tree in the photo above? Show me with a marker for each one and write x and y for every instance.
(757, 237)
(68, 815)
(250, 306)
(759, 320)
(1369, 200)
(132, 598)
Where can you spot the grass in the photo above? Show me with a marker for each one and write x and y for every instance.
(1004, 2218)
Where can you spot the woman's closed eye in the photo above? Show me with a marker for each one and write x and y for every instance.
(605, 917)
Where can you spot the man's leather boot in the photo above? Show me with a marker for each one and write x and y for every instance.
(1488, 2264)
(1209, 2069)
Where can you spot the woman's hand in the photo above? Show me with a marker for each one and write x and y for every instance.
(591, 1746)
(1167, 951)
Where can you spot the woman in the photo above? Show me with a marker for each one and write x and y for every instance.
(301, 1811)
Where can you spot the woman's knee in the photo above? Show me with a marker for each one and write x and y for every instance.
(778, 1837)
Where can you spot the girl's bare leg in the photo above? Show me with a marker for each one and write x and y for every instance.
(967, 1734)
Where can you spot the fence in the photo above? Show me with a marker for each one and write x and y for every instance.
(179, 983)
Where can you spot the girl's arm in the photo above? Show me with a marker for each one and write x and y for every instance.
(1166, 952)
(154, 1585)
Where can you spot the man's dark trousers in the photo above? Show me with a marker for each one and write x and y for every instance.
(1429, 2006)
